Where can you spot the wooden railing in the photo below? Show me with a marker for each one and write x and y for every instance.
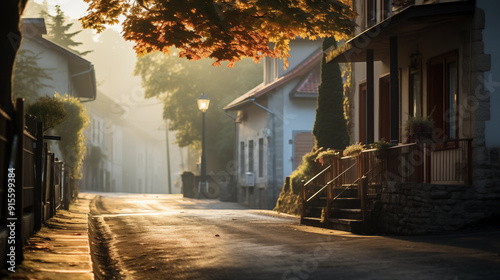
(315, 186)
(448, 162)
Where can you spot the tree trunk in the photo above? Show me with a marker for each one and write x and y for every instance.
(10, 40)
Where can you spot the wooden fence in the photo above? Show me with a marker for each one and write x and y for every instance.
(34, 185)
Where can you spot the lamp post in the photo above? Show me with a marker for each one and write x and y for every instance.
(203, 103)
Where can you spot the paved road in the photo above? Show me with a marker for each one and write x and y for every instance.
(169, 237)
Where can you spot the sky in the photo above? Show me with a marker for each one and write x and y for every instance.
(72, 8)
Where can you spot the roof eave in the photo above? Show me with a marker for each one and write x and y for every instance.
(352, 50)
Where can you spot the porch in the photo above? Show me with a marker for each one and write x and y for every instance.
(347, 194)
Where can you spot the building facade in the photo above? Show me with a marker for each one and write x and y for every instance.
(274, 124)
(426, 60)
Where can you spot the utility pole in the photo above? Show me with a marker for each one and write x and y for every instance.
(168, 159)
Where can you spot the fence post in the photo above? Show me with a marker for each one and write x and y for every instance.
(428, 161)
(66, 189)
(469, 162)
(363, 197)
(38, 176)
(303, 182)
(52, 191)
(17, 164)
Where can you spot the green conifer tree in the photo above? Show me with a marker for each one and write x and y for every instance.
(59, 32)
(330, 129)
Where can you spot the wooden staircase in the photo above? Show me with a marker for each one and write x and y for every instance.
(344, 214)
(340, 196)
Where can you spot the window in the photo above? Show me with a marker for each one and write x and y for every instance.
(261, 157)
(415, 94)
(250, 156)
(386, 8)
(242, 159)
(442, 95)
(371, 12)
(451, 91)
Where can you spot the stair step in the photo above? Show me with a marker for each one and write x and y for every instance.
(347, 203)
(351, 225)
(312, 221)
(354, 214)
(349, 193)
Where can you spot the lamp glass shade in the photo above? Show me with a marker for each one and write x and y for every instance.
(203, 103)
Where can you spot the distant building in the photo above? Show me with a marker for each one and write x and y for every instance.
(275, 122)
(102, 168)
(121, 157)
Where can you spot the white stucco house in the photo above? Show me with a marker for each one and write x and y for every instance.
(70, 73)
(275, 122)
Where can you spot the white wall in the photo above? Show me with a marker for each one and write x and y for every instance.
(299, 115)
(252, 128)
(300, 49)
(56, 66)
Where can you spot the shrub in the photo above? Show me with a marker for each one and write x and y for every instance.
(48, 110)
(289, 200)
(72, 142)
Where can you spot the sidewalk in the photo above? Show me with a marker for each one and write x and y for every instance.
(60, 250)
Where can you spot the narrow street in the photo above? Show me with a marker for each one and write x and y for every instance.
(170, 237)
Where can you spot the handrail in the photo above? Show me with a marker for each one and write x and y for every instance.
(312, 179)
(331, 181)
(355, 181)
(345, 189)
(375, 167)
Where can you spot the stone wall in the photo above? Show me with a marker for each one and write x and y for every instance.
(411, 208)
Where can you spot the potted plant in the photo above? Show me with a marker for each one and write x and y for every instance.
(382, 149)
(327, 157)
(353, 150)
(419, 128)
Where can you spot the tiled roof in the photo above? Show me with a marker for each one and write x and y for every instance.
(308, 87)
(262, 89)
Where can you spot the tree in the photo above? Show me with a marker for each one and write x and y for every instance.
(59, 32)
(330, 129)
(28, 76)
(179, 82)
(10, 39)
(224, 30)
(49, 110)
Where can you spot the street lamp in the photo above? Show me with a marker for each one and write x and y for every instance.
(203, 103)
